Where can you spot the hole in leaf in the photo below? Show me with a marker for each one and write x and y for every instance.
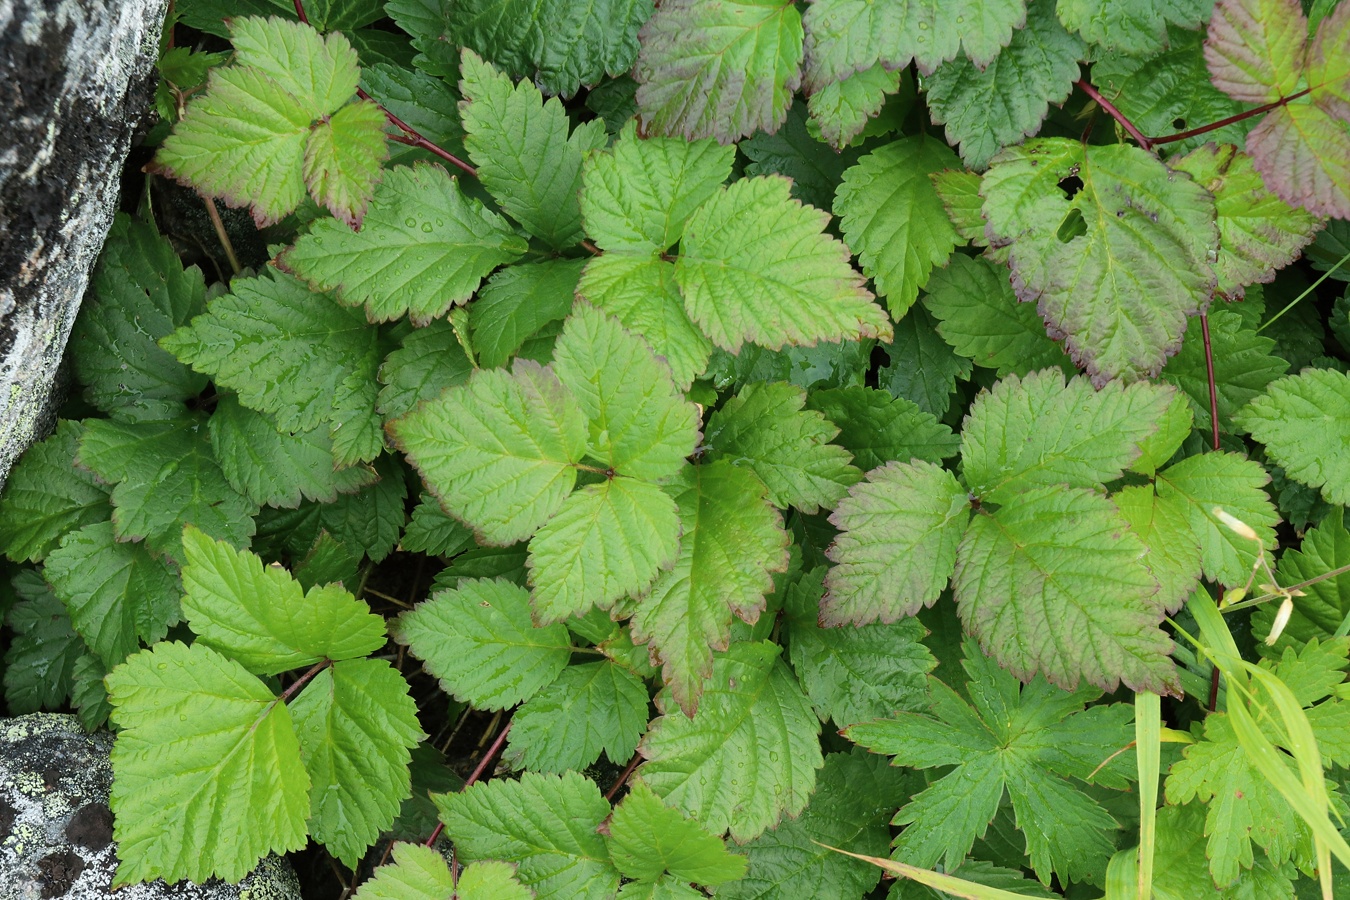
(1179, 123)
(1073, 226)
(1071, 186)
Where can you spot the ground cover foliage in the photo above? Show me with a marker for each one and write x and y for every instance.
(644, 449)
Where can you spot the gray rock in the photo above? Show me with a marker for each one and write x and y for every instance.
(56, 829)
(75, 79)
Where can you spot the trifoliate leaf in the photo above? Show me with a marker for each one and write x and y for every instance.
(1173, 547)
(41, 659)
(1321, 611)
(1243, 367)
(923, 367)
(1054, 582)
(545, 824)
(525, 157)
(756, 265)
(732, 540)
(899, 531)
(607, 542)
(814, 167)
(640, 424)
(893, 220)
(765, 429)
(498, 451)
(206, 768)
(592, 707)
(429, 360)
(294, 354)
(647, 838)
(1030, 739)
(275, 123)
(986, 108)
(1131, 26)
(356, 723)
(517, 302)
(117, 593)
(1304, 421)
(1255, 48)
(637, 196)
(842, 109)
(877, 427)
(1258, 232)
(747, 756)
(724, 69)
(1040, 430)
(433, 532)
(980, 316)
(1195, 486)
(141, 293)
(166, 476)
(423, 248)
(859, 673)
(642, 294)
(421, 873)
(275, 468)
(1117, 267)
(47, 496)
(478, 639)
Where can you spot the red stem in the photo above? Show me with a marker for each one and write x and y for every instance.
(476, 774)
(1209, 376)
(1215, 126)
(304, 679)
(1115, 113)
(623, 777)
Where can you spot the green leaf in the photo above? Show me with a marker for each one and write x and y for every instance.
(607, 542)
(756, 265)
(421, 873)
(47, 496)
(899, 531)
(141, 293)
(1304, 422)
(1041, 430)
(986, 108)
(371, 519)
(525, 157)
(342, 160)
(45, 650)
(262, 618)
(1181, 871)
(498, 452)
(747, 756)
(433, 532)
(814, 167)
(765, 429)
(517, 302)
(878, 428)
(1120, 290)
(733, 539)
(1255, 48)
(479, 641)
(545, 824)
(1131, 26)
(842, 109)
(87, 693)
(959, 191)
(724, 69)
(1243, 367)
(356, 724)
(206, 768)
(1173, 547)
(1174, 427)
(424, 247)
(592, 707)
(1054, 582)
(294, 354)
(980, 316)
(117, 594)
(166, 476)
(425, 102)
(637, 196)
(893, 220)
(428, 361)
(923, 367)
(1326, 604)
(647, 838)
(640, 424)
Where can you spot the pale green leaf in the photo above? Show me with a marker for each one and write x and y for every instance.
(428, 361)
(842, 109)
(421, 873)
(1173, 548)
(47, 496)
(517, 302)
(1326, 604)
(1132, 26)
(1255, 48)
(1174, 427)
(877, 427)
(320, 72)
(1304, 422)
(342, 160)
(1181, 871)
(1243, 362)
(591, 708)
(647, 838)
(959, 191)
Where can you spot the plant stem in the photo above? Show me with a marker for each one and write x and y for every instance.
(221, 234)
(1215, 126)
(623, 776)
(1114, 113)
(304, 679)
(475, 775)
(1209, 376)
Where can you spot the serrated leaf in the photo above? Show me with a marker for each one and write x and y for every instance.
(1120, 290)
(166, 476)
(206, 768)
(262, 618)
(294, 354)
(545, 824)
(433, 532)
(1321, 611)
(44, 652)
(877, 427)
(986, 108)
(1174, 427)
(87, 693)
(724, 69)
(1300, 151)
(1304, 422)
(732, 540)
(355, 723)
(423, 248)
(591, 708)
(428, 361)
(747, 756)
(647, 838)
(371, 519)
(427, 103)
(607, 542)
(1054, 582)
(1181, 871)
(1173, 547)
(421, 873)
(342, 160)
(842, 109)
(479, 640)
(1131, 26)
(959, 191)
(765, 429)
(1243, 363)
(1255, 48)
(923, 367)
(899, 531)
(892, 218)
(517, 302)
(1041, 430)
(47, 496)
(498, 451)
(525, 157)
(792, 150)
(117, 593)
